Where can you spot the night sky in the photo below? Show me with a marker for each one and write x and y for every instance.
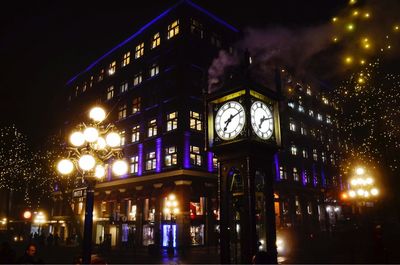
(44, 43)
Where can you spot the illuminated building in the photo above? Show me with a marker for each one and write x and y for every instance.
(152, 84)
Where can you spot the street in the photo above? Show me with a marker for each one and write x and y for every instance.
(351, 244)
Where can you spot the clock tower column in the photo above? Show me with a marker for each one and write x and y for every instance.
(244, 134)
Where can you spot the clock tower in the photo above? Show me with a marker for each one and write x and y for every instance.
(243, 131)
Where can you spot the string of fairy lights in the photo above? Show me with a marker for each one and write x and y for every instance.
(368, 39)
(25, 171)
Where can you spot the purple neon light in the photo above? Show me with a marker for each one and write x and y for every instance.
(323, 177)
(304, 177)
(158, 154)
(276, 161)
(186, 150)
(148, 25)
(140, 160)
(210, 165)
(314, 173)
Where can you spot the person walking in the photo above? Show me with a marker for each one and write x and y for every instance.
(30, 256)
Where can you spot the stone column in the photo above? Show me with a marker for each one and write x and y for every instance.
(183, 218)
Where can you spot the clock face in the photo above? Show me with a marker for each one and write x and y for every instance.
(229, 120)
(262, 120)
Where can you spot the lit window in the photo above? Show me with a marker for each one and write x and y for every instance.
(311, 113)
(332, 159)
(291, 104)
(295, 174)
(152, 128)
(126, 59)
(303, 130)
(315, 154)
(91, 81)
(328, 119)
(154, 70)
(139, 50)
(84, 87)
(172, 121)
(101, 75)
(196, 121)
(293, 150)
(309, 92)
(137, 79)
(123, 87)
(323, 157)
(122, 134)
(301, 108)
(136, 105)
(325, 100)
(151, 161)
(305, 153)
(282, 173)
(215, 163)
(110, 92)
(319, 117)
(156, 40)
(292, 126)
(76, 91)
(135, 133)
(112, 67)
(171, 157)
(122, 111)
(134, 164)
(309, 208)
(196, 28)
(195, 157)
(215, 40)
(173, 29)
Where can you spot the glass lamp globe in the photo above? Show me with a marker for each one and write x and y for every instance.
(91, 134)
(100, 144)
(99, 171)
(65, 166)
(86, 162)
(113, 139)
(360, 171)
(97, 114)
(77, 139)
(120, 167)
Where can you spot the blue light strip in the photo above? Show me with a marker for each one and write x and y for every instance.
(210, 165)
(276, 160)
(140, 160)
(314, 173)
(148, 25)
(186, 150)
(212, 16)
(158, 154)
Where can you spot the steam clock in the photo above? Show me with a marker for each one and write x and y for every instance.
(244, 134)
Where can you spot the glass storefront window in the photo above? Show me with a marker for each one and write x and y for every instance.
(197, 235)
(148, 235)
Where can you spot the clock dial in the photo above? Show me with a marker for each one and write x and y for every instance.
(262, 120)
(229, 120)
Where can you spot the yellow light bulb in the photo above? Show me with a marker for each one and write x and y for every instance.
(350, 27)
(334, 19)
(355, 13)
(348, 60)
(366, 15)
(352, 2)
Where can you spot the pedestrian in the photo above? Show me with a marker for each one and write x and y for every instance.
(7, 254)
(56, 239)
(30, 256)
(50, 239)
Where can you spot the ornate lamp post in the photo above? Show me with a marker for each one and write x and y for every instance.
(171, 208)
(362, 188)
(94, 147)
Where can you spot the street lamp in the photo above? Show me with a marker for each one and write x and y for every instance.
(171, 208)
(94, 146)
(39, 220)
(362, 186)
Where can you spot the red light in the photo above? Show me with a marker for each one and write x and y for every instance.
(27, 214)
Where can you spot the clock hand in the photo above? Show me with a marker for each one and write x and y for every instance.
(230, 119)
(262, 120)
